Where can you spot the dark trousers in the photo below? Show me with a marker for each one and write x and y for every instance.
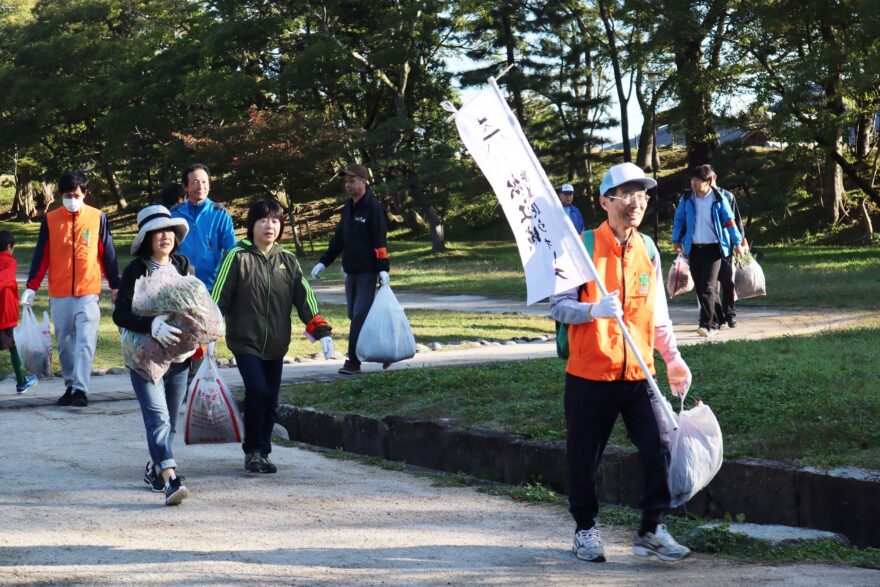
(360, 289)
(726, 308)
(705, 263)
(262, 380)
(591, 408)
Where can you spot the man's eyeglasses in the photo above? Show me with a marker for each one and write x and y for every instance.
(642, 198)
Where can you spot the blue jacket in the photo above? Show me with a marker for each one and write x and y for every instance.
(722, 219)
(575, 216)
(210, 237)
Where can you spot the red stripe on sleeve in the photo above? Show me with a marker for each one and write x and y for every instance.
(381, 254)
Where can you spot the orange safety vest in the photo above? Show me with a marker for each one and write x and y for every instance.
(597, 349)
(74, 252)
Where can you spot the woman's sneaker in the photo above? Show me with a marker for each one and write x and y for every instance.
(153, 479)
(660, 544)
(175, 491)
(587, 545)
(29, 382)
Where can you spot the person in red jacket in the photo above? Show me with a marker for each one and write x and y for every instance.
(9, 310)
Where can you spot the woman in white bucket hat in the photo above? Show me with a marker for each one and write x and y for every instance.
(153, 249)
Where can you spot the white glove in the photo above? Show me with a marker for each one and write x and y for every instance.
(342, 271)
(680, 377)
(27, 298)
(164, 332)
(384, 278)
(327, 347)
(607, 307)
(316, 270)
(209, 352)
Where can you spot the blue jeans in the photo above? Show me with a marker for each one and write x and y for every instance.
(360, 289)
(160, 405)
(262, 380)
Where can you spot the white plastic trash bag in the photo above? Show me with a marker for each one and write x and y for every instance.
(679, 279)
(212, 416)
(34, 342)
(697, 453)
(386, 336)
(749, 278)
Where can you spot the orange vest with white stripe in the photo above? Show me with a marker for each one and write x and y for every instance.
(74, 254)
(597, 349)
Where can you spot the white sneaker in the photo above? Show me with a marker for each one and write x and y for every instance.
(703, 331)
(587, 546)
(660, 544)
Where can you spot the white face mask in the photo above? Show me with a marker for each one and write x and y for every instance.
(72, 205)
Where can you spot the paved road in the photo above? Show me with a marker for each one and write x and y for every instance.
(73, 510)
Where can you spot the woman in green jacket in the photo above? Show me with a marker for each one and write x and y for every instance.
(257, 287)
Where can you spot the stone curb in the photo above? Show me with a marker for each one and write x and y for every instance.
(772, 535)
(846, 501)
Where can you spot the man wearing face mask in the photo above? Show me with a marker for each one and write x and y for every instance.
(75, 246)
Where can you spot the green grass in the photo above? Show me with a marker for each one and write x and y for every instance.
(812, 401)
(428, 326)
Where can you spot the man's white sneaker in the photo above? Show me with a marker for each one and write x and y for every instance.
(703, 331)
(660, 544)
(587, 546)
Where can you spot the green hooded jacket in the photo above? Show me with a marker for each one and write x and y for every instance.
(257, 294)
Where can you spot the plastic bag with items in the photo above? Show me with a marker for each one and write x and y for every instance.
(166, 291)
(749, 277)
(697, 453)
(212, 415)
(33, 339)
(386, 336)
(679, 279)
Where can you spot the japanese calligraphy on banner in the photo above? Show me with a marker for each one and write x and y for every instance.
(550, 248)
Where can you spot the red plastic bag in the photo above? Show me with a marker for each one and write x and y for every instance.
(679, 280)
(212, 415)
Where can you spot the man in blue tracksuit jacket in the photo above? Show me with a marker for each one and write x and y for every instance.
(211, 234)
(704, 230)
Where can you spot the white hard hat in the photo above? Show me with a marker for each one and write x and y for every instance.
(625, 173)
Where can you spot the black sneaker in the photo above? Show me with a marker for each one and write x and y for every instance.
(79, 399)
(731, 321)
(256, 463)
(350, 368)
(175, 491)
(269, 466)
(67, 398)
(153, 479)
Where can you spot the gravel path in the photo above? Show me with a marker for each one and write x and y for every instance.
(73, 510)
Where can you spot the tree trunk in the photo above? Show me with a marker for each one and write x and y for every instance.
(864, 132)
(115, 188)
(866, 221)
(618, 79)
(23, 206)
(47, 192)
(514, 78)
(644, 156)
(832, 189)
(438, 233)
(699, 129)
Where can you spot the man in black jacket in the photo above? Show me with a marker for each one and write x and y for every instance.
(361, 238)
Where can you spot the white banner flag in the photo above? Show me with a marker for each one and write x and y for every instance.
(550, 248)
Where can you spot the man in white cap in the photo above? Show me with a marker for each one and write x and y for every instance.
(566, 195)
(603, 379)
